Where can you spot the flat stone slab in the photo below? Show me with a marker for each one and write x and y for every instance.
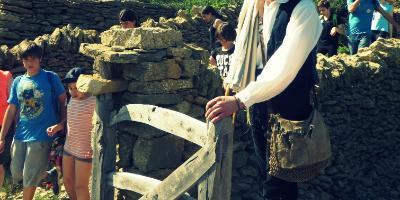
(106, 54)
(160, 87)
(96, 85)
(152, 71)
(156, 99)
(142, 38)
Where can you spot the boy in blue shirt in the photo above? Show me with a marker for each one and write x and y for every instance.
(360, 19)
(39, 99)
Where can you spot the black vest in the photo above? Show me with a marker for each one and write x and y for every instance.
(294, 102)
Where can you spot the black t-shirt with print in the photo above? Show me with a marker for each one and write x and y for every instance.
(326, 39)
(224, 59)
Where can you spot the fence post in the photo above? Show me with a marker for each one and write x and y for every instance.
(104, 141)
(216, 183)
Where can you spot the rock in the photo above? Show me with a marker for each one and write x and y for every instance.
(190, 68)
(96, 85)
(179, 52)
(182, 107)
(201, 101)
(196, 111)
(125, 147)
(105, 54)
(151, 71)
(158, 153)
(154, 99)
(140, 130)
(142, 38)
(160, 87)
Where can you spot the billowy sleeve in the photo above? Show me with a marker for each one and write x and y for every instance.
(302, 34)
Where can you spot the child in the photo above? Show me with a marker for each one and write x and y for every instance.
(77, 159)
(128, 19)
(214, 19)
(39, 98)
(5, 86)
(222, 56)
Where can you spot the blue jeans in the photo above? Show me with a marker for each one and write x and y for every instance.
(357, 41)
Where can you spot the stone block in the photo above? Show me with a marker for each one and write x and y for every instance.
(140, 130)
(158, 153)
(106, 54)
(160, 87)
(152, 71)
(96, 85)
(125, 149)
(142, 38)
(155, 99)
(179, 52)
(190, 68)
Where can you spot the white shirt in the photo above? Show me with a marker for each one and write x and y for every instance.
(302, 34)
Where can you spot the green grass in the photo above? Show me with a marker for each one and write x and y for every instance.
(187, 4)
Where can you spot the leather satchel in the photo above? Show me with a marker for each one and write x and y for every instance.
(299, 150)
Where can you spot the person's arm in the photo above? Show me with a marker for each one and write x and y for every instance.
(302, 35)
(62, 105)
(389, 18)
(353, 6)
(7, 122)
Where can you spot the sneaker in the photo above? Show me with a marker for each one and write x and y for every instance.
(53, 179)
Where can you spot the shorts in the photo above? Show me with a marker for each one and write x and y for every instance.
(29, 161)
(5, 156)
(87, 160)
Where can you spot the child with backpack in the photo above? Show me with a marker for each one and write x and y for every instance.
(77, 158)
(38, 97)
(332, 27)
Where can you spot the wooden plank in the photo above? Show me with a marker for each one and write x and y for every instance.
(96, 85)
(137, 183)
(169, 121)
(216, 183)
(133, 182)
(177, 183)
(104, 140)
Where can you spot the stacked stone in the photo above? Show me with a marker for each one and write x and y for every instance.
(164, 71)
(361, 104)
(61, 50)
(192, 26)
(23, 19)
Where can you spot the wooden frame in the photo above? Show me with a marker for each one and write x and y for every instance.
(210, 167)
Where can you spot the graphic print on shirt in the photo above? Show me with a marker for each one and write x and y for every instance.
(223, 63)
(31, 99)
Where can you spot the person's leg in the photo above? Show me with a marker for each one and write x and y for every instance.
(280, 189)
(365, 41)
(18, 152)
(5, 157)
(374, 35)
(68, 175)
(82, 172)
(353, 44)
(259, 123)
(36, 163)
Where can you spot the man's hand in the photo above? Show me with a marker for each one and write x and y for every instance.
(2, 143)
(334, 31)
(52, 130)
(221, 107)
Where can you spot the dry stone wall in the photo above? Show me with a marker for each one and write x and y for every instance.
(26, 19)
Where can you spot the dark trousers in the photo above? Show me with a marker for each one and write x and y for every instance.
(377, 34)
(329, 50)
(273, 188)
